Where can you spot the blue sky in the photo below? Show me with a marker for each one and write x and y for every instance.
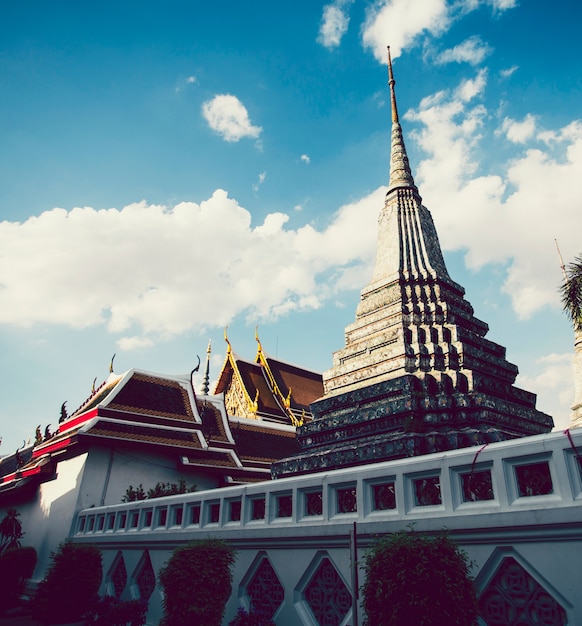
(167, 169)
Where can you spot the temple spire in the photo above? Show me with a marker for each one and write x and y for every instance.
(400, 174)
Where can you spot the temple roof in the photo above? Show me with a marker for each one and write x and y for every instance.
(267, 388)
(154, 412)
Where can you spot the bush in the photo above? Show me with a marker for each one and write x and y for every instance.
(415, 579)
(252, 618)
(158, 491)
(109, 611)
(16, 567)
(197, 581)
(70, 585)
(10, 530)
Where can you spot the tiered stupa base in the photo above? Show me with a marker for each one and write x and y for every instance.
(400, 418)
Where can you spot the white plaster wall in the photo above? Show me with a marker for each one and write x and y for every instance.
(114, 470)
(98, 477)
(48, 518)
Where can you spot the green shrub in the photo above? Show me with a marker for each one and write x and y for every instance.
(197, 582)
(415, 579)
(16, 567)
(70, 585)
(110, 611)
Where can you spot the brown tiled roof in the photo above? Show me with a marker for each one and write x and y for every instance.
(211, 457)
(100, 394)
(212, 424)
(8, 464)
(306, 386)
(144, 434)
(144, 393)
(254, 379)
(259, 443)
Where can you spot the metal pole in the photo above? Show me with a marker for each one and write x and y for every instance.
(354, 564)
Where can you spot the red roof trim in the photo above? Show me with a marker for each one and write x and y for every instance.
(71, 423)
(55, 447)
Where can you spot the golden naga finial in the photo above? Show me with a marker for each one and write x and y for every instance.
(255, 405)
(111, 363)
(228, 346)
(260, 358)
(287, 400)
(93, 385)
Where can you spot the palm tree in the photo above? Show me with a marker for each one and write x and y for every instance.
(571, 291)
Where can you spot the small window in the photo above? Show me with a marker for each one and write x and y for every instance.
(82, 522)
(257, 508)
(91, 524)
(213, 512)
(133, 519)
(162, 517)
(195, 513)
(111, 521)
(234, 510)
(284, 506)
(122, 520)
(477, 486)
(383, 496)
(147, 518)
(314, 503)
(534, 480)
(427, 491)
(100, 522)
(346, 500)
(178, 515)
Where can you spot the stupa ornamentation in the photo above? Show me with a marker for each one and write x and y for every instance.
(417, 374)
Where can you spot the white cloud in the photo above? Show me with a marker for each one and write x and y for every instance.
(503, 5)
(472, 51)
(134, 343)
(305, 159)
(517, 209)
(227, 115)
(519, 132)
(334, 23)
(399, 23)
(405, 23)
(260, 181)
(149, 271)
(506, 73)
(470, 88)
(553, 382)
(189, 80)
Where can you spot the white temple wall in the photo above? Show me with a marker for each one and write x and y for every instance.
(98, 477)
(519, 520)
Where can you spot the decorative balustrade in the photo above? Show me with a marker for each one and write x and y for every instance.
(533, 473)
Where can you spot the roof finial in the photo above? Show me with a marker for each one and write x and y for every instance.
(391, 83)
(206, 380)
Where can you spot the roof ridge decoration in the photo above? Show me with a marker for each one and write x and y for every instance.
(285, 401)
(252, 405)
